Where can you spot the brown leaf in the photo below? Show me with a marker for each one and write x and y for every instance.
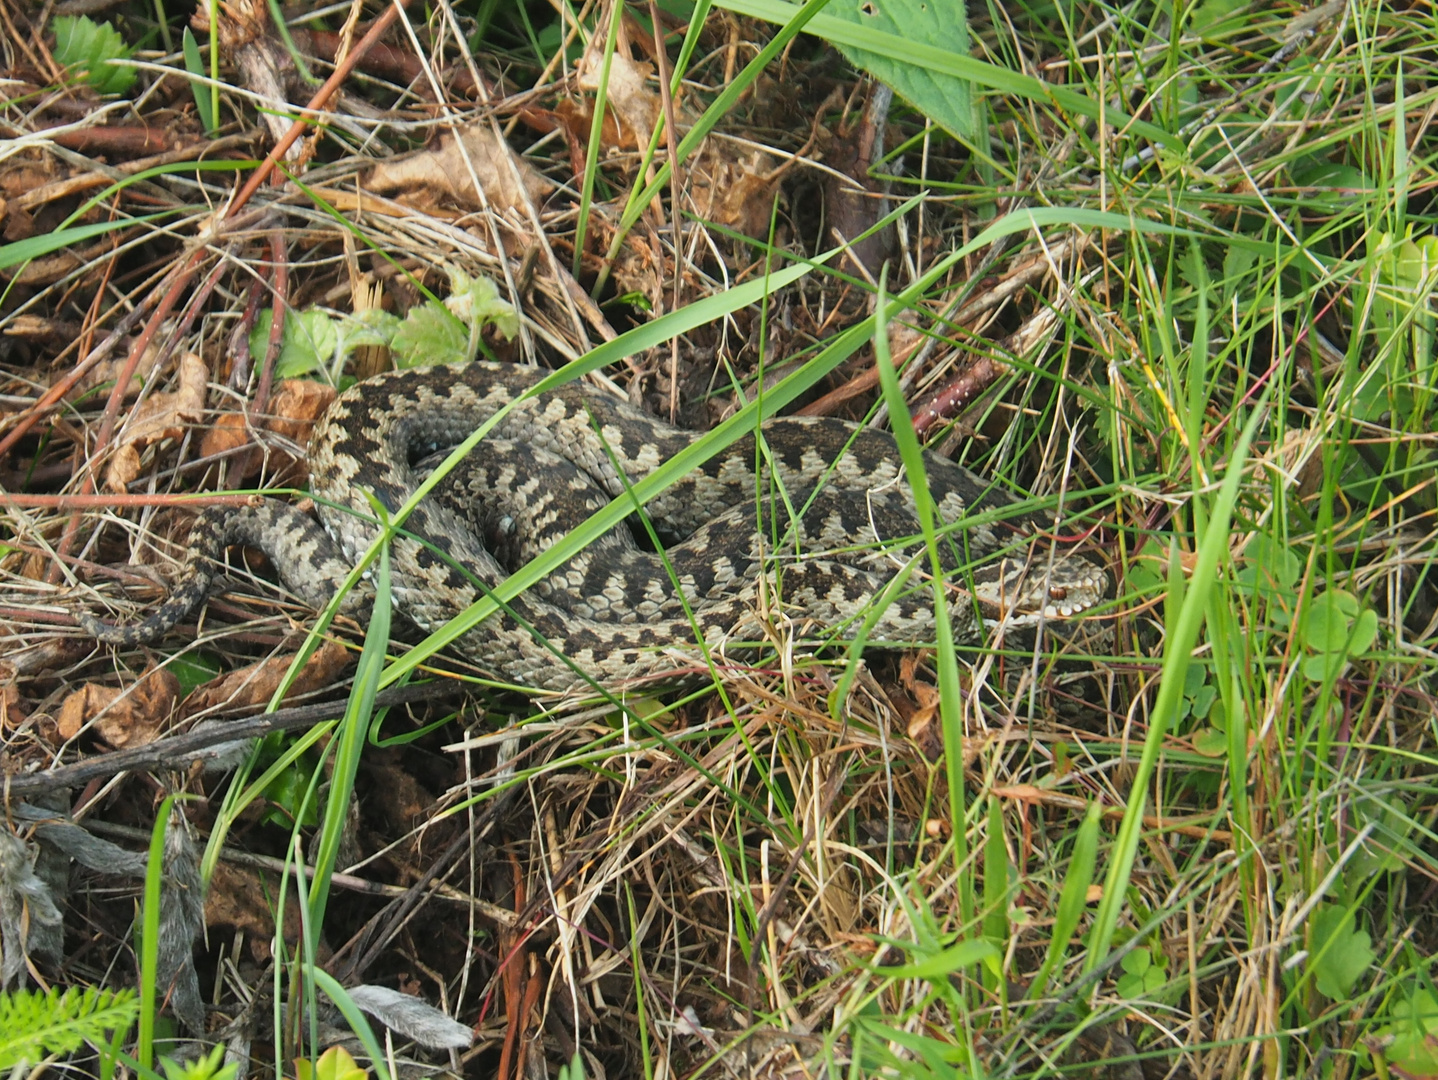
(11, 714)
(228, 433)
(256, 684)
(163, 416)
(443, 174)
(632, 107)
(731, 191)
(240, 900)
(294, 408)
(122, 717)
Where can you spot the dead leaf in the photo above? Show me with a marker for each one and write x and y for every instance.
(443, 174)
(734, 192)
(11, 714)
(239, 900)
(122, 716)
(256, 684)
(163, 416)
(228, 433)
(924, 733)
(632, 107)
(295, 407)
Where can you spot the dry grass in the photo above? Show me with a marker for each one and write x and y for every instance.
(762, 877)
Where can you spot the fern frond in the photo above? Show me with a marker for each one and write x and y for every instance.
(33, 1025)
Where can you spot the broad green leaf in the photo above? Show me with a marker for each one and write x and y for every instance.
(1338, 952)
(334, 1064)
(1211, 742)
(194, 669)
(1269, 570)
(88, 49)
(1393, 823)
(1211, 14)
(943, 98)
(1414, 1031)
(307, 343)
(1141, 978)
(429, 334)
(896, 47)
(476, 302)
(1335, 628)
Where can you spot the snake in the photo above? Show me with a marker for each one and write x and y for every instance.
(807, 526)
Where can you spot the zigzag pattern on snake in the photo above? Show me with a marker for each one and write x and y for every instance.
(830, 510)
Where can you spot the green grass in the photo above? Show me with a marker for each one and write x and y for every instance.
(937, 867)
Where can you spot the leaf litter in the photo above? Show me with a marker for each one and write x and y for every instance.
(737, 870)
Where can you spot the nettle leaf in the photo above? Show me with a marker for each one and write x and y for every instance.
(369, 327)
(1338, 952)
(88, 49)
(307, 344)
(429, 334)
(939, 23)
(476, 302)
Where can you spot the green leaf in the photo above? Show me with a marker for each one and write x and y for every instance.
(34, 1025)
(1073, 897)
(476, 302)
(1392, 825)
(207, 100)
(940, 24)
(1335, 627)
(334, 1064)
(1211, 742)
(372, 326)
(1270, 569)
(210, 1067)
(846, 34)
(1338, 952)
(574, 1070)
(307, 344)
(88, 49)
(1142, 977)
(35, 247)
(1210, 14)
(194, 669)
(429, 334)
(1414, 1032)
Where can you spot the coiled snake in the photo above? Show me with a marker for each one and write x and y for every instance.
(813, 535)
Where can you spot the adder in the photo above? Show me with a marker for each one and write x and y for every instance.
(810, 526)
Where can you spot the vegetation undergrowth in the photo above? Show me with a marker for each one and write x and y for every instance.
(1161, 272)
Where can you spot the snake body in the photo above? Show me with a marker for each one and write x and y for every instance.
(811, 525)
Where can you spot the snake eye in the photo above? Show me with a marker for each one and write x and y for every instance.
(1058, 592)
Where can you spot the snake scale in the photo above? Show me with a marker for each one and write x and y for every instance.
(813, 535)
